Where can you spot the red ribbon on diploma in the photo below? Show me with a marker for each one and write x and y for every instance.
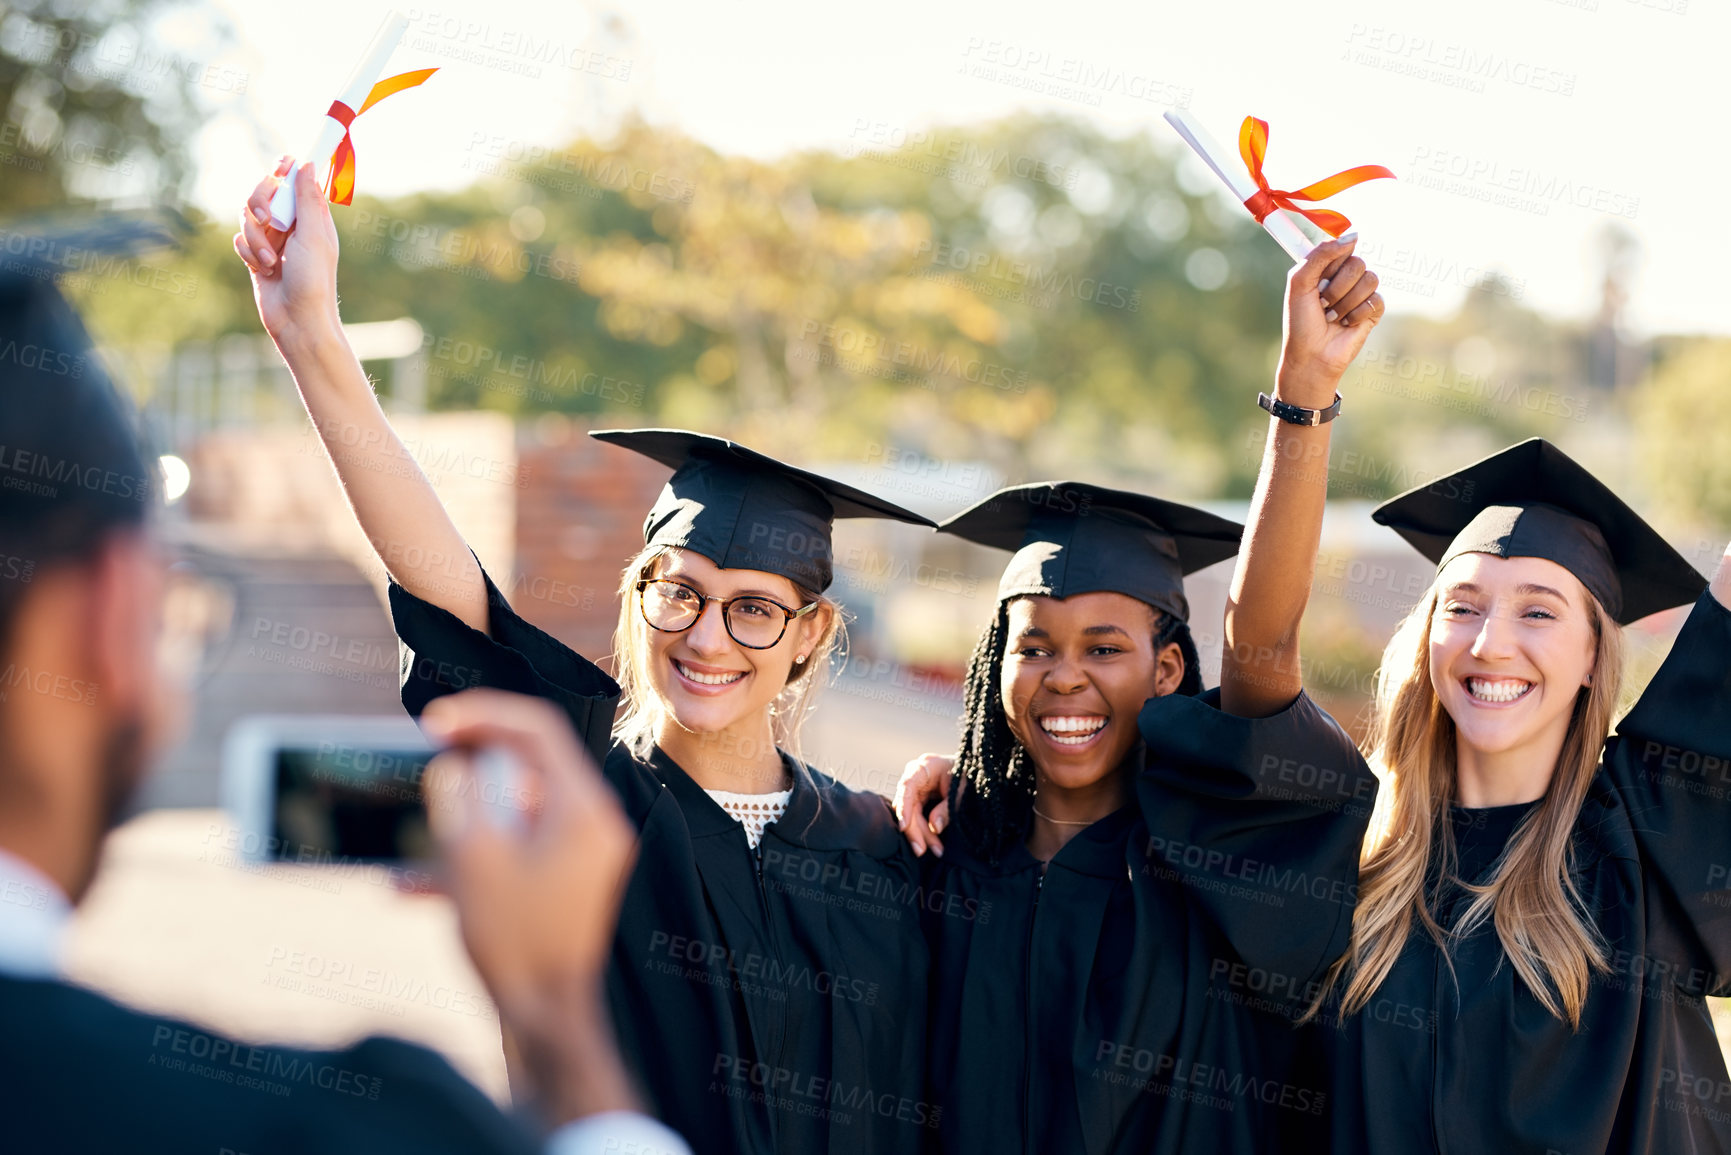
(342, 183)
(1253, 145)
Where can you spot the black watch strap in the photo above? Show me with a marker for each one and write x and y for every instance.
(1298, 414)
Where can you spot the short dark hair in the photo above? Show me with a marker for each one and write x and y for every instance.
(992, 789)
(72, 470)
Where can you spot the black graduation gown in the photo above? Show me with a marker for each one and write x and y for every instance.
(765, 1002)
(81, 1073)
(1472, 1064)
(1136, 997)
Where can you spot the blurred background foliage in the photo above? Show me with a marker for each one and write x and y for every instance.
(95, 111)
(1031, 294)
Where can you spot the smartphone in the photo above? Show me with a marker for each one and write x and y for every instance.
(315, 789)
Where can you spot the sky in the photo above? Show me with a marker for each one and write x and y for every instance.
(1520, 130)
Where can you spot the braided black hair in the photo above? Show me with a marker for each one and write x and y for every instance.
(992, 791)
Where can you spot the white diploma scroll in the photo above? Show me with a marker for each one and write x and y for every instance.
(1230, 168)
(361, 81)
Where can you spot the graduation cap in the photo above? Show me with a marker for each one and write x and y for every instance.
(71, 466)
(1533, 500)
(1073, 538)
(744, 510)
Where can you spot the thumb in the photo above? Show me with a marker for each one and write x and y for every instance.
(450, 813)
(1321, 263)
(1309, 276)
(311, 207)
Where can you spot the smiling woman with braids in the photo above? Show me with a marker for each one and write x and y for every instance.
(994, 766)
(1120, 946)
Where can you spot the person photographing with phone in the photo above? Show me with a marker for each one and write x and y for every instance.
(86, 705)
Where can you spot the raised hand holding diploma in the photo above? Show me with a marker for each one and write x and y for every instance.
(1270, 205)
(294, 274)
(334, 154)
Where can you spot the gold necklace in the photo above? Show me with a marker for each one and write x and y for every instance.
(1062, 821)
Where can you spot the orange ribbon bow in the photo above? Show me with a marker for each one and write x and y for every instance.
(1253, 145)
(341, 190)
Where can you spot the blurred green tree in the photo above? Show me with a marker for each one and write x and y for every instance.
(1682, 414)
(96, 110)
(1032, 293)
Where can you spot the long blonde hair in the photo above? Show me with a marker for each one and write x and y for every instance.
(1531, 899)
(642, 712)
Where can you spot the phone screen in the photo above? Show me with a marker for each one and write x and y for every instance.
(338, 801)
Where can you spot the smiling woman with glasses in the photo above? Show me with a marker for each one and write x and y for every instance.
(769, 930)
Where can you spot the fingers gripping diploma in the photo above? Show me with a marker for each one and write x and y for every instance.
(537, 865)
(1331, 307)
(294, 273)
(925, 781)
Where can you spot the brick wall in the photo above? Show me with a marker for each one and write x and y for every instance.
(580, 509)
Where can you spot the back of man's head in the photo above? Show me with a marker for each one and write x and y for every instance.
(79, 590)
(71, 473)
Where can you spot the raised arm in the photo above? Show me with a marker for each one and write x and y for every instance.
(1331, 306)
(1669, 761)
(294, 281)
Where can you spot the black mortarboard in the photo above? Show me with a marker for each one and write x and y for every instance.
(71, 467)
(1533, 500)
(1073, 538)
(743, 510)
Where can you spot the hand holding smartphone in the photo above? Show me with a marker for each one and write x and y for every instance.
(534, 847)
(324, 789)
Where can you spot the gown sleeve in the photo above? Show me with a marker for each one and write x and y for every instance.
(1261, 820)
(442, 654)
(1670, 761)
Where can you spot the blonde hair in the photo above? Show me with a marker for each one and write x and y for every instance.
(1531, 899)
(643, 713)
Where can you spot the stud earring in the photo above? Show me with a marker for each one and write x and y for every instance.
(799, 661)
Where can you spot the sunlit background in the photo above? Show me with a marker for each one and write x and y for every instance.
(930, 248)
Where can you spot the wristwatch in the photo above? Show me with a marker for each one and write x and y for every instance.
(1298, 414)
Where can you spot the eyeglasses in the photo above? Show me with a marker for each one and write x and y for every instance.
(754, 622)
